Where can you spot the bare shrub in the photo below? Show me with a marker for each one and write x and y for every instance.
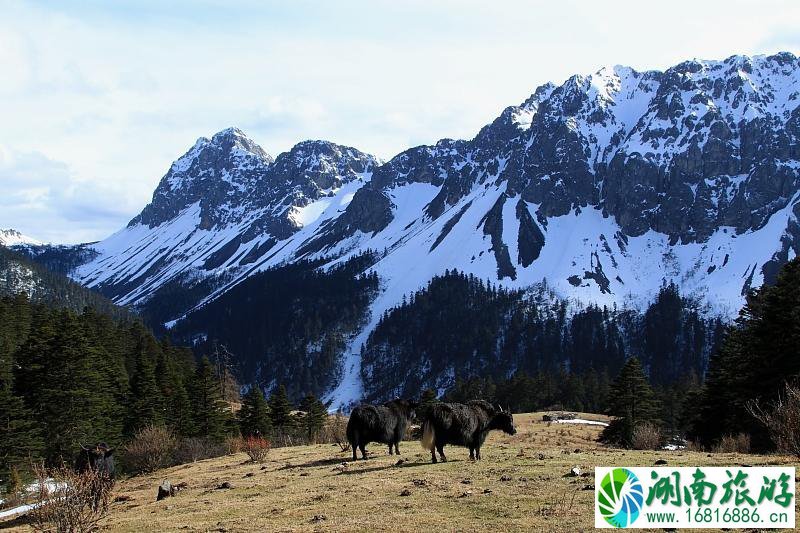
(257, 448)
(694, 446)
(234, 445)
(782, 420)
(733, 444)
(14, 490)
(70, 501)
(646, 436)
(335, 431)
(150, 449)
(193, 449)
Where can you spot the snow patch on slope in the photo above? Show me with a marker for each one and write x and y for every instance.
(12, 237)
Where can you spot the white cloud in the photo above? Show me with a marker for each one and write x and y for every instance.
(117, 91)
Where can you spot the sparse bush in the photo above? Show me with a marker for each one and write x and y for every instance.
(70, 501)
(150, 449)
(234, 445)
(335, 431)
(257, 448)
(14, 489)
(694, 446)
(193, 449)
(733, 444)
(782, 420)
(646, 436)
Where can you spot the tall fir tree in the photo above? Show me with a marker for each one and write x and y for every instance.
(146, 401)
(174, 396)
(20, 436)
(211, 413)
(632, 401)
(314, 418)
(280, 408)
(254, 419)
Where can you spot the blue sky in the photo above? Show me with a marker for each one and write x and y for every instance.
(99, 97)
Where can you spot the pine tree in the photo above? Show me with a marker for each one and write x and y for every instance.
(20, 437)
(280, 408)
(254, 419)
(211, 413)
(146, 401)
(631, 401)
(315, 416)
(175, 397)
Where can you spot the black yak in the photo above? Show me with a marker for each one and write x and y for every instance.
(379, 423)
(98, 458)
(463, 425)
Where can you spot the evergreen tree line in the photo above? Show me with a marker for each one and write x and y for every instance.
(760, 354)
(460, 327)
(275, 418)
(756, 357)
(69, 379)
(288, 324)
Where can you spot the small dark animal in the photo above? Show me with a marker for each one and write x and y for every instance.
(379, 423)
(99, 458)
(463, 425)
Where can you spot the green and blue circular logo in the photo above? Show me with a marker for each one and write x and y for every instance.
(620, 497)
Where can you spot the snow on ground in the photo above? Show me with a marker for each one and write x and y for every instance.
(581, 421)
(17, 510)
(575, 243)
(32, 488)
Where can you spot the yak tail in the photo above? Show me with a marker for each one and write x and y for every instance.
(352, 434)
(428, 435)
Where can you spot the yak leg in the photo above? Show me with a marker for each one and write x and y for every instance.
(355, 457)
(391, 449)
(396, 449)
(472, 454)
(478, 453)
(433, 456)
(440, 449)
(363, 448)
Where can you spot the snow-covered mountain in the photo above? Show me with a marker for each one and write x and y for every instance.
(605, 186)
(12, 237)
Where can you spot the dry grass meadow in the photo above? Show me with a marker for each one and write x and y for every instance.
(520, 485)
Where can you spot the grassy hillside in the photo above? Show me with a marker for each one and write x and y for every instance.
(308, 488)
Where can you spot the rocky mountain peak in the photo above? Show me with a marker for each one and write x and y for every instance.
(234, 141)
(217, 172)
(11, 237)
(319, 167)
(604, 185)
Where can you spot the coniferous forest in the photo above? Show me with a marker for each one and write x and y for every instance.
(527, 349)
(70, 378)
(286, 325)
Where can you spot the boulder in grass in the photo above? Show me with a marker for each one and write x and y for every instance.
(165, 490)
